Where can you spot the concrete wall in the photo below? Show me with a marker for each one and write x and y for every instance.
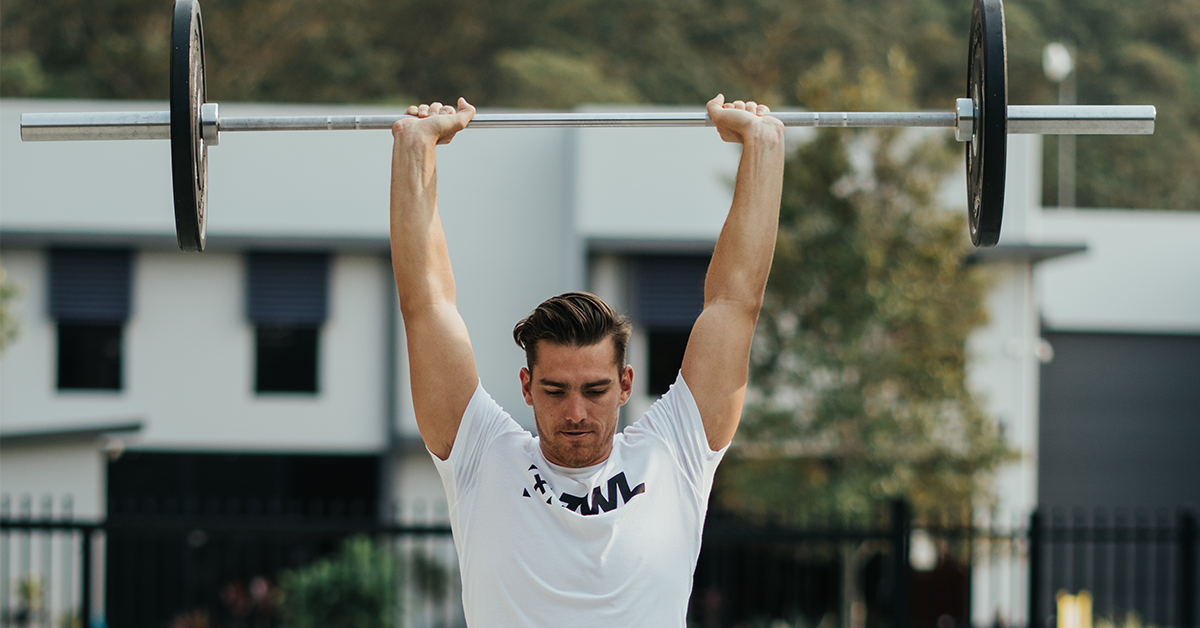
(1141, 272)
(55, 470)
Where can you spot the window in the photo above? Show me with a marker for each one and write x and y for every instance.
(669, 295)
(285, 358)
(665, 350)
(287, 300)
(90, 294)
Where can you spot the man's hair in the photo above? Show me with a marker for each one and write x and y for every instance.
(574, 319)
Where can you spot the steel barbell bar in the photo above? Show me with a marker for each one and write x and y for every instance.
(1042, 119)
(982, 121)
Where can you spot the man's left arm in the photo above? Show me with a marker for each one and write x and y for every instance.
(717, 360)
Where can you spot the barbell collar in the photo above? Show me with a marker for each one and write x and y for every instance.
(1040, 119)
(210, 123)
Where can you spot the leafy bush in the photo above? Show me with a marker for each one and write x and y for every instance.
(355, 588)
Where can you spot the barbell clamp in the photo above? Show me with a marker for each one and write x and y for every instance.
(210, 124)
(964, 119)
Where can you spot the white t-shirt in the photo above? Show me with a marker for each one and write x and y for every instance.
(612, 545)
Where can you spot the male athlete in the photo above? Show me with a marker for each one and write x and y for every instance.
(578, 525)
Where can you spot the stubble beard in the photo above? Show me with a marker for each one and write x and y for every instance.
(575, 454)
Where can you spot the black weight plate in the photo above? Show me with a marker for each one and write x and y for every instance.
(987, 87)
(189, 155)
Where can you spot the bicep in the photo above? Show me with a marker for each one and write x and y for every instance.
(716, 367)
(442, 372)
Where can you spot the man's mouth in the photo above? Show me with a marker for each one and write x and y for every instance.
(575, 435)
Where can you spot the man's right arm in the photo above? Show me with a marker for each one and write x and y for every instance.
(441, 364)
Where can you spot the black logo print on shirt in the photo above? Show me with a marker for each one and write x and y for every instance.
(618, 486)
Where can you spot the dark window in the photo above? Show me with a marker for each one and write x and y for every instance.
(669, 291)
(287, 300)
(285, 359)
(669, 295)
(89, 356)
(90, 296)
(666, 356)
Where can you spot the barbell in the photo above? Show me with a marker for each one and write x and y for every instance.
(982, 120)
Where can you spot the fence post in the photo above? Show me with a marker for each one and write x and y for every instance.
(900, 533)
(85, 597)
(1187, 569)
(1035, 569)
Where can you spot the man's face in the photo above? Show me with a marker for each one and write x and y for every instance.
(576, 394)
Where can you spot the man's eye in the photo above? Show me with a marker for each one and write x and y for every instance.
(597, 392)
(554, 393)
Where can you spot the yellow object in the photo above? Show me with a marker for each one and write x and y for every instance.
(1074, 611)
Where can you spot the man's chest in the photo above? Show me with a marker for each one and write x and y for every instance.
(519, 493)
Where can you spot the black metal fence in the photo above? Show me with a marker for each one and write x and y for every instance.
(1140, 567)
(204, 570)
(896, 571)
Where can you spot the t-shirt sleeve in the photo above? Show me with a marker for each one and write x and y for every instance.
(675, 419)
(482, 423)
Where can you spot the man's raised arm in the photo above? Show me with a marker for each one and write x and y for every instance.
(441, 363)
(717, 359)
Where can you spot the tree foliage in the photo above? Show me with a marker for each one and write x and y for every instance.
(9, 328)
(560, 53)
(858, 388)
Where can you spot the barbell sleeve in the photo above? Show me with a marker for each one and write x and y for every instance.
(1045, 119)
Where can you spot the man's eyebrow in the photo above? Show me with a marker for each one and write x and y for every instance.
(596, 384)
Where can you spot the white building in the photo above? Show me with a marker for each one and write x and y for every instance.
(528, 214)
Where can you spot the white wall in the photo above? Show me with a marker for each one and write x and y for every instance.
(653, 184)
(1140, 274)
(72, 468)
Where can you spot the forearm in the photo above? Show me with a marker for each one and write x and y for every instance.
(742, 258)
(420, 259)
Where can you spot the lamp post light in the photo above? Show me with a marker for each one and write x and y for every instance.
(1059, 66)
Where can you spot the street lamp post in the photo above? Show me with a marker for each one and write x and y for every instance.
(1059, 66)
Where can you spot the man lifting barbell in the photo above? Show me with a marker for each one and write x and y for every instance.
(579, 525)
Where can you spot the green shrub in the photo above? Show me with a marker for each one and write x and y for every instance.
(355, 588)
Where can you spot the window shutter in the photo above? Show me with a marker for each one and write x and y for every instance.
(669, 291)
(90, 285)
(287, 288)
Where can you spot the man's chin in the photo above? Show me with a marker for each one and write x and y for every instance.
(576, 454)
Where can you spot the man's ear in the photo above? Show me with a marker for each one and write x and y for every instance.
(527, 385)
(626, 383)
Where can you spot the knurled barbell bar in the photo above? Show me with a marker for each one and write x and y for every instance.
(982, 120)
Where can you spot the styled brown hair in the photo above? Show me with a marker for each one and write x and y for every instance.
(574, 319)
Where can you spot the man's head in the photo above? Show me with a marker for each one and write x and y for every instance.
(576, 378)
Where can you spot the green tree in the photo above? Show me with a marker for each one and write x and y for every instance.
(563, 53)
(858, 389)
(8, 323)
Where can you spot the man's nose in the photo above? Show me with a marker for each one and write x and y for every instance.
(576, 410)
